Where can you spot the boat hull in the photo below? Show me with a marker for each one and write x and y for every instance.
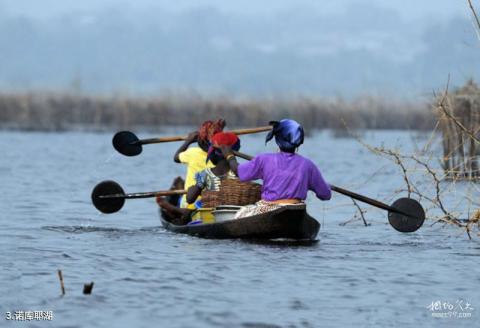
(286, 222)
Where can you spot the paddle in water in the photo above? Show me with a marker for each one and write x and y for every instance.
(109, 197)
(404, 215)
(128, 144)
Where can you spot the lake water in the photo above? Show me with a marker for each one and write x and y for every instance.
(146, 277)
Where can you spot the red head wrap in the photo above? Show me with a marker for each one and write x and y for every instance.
(222, 139)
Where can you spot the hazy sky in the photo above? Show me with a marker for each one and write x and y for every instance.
(325, 47)
(406, 8)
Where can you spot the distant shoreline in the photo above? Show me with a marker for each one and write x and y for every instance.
(46, 111)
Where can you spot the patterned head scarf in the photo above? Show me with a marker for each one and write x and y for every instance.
(209, 128)
(222, 139)
(288, 134)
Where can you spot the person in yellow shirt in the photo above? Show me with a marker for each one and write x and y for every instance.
(195, 159)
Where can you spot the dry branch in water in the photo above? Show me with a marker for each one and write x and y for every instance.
(447, 191)
(359, 215)
(360, 211)
(436, 186)
(475, 16)
(435, 189)
(60, 277)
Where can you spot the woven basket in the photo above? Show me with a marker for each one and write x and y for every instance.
(232, 192)
(235, 192)
(210, 198)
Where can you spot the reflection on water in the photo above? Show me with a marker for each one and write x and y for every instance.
(145, 276)
(86, 229)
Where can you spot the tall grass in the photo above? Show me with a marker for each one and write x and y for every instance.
(64, 111)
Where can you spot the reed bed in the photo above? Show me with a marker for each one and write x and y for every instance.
(65, 111)
(458, 116)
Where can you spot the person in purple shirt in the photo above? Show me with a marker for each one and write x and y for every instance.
(287, 176)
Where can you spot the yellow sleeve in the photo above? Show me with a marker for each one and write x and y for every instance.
(186, 156)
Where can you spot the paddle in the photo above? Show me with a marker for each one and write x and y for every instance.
(109, 197)
(404, 215)
(128, 144)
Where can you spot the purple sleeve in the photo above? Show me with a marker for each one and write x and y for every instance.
(251, 170)
(318, 184)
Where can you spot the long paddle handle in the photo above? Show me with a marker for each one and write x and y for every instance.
(242, 155)
(366, 199)
(180, 138)
(146, 194)
(346, 192)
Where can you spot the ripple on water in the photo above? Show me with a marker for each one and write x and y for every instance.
(217, 318)
(466, 254)
(82, 229)
(139, 280)
(259, 325)
(108, 230)
(32, 205)
(37, 273)
(298, 305)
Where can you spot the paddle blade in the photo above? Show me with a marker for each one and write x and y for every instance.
(126, 143)
(406, 223)
(107, 205)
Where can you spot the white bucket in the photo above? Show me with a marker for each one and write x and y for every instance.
(224, 215)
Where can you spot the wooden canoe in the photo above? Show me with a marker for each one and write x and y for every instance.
(288, 222)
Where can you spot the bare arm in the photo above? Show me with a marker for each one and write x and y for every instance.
(192, 194)
(192, 137)
(172, 209)
(232, 160)
(317, 184)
